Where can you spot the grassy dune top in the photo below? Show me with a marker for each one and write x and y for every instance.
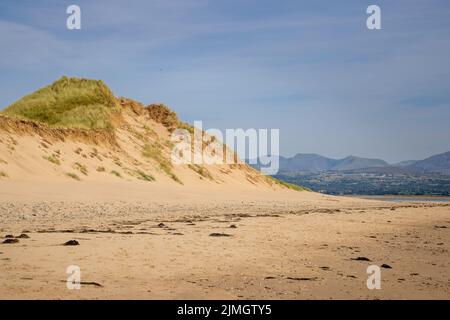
(68, 102)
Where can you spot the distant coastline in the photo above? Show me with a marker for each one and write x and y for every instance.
(403, 198)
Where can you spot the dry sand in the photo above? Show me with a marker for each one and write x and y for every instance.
(154, 243)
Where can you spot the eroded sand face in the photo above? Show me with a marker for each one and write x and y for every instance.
(283, 245)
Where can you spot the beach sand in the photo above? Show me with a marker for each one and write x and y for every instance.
(167, 243)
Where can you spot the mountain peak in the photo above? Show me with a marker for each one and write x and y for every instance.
(437, 163)
(316, 162)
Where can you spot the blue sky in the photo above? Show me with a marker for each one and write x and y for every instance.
(310, 68)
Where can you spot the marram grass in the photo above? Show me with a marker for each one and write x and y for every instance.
(68, 103)
(290, 185)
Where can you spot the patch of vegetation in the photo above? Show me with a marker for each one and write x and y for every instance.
(153, 151)
(288, 185)
(95, 154)
(101, 169)
(169, 144)
(149, 131)
(52, 159)
(73, 176)
(68, 102)
(143, 176)
(186, 126)
(162, 114)
(202, 171)
(117, 174)
(46, 142)
(168, 118)
(82, 168)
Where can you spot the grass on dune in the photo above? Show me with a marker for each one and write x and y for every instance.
(144, 176)
(288, 185)
(68, 102)
(154, 152)
(115, 173)
(73, 176)
(82, 168)
(202, 171)
(52, 159)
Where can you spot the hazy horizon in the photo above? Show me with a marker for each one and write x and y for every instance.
(311, 69)
(356, 155)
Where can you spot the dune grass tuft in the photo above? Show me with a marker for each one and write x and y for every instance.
(82, 168)
(162, 114)
(153, 151)
(68, 102)
(288, 185)
(144, 176)
(202, 171)
(52, 159)
(73, 176)
(115, 173)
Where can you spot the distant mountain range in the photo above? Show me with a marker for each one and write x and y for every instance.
(315, 163)
(437, 163)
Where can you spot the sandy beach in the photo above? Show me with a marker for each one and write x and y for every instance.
(273, 245)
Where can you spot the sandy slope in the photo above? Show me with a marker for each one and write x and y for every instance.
(35, 152)
(286, 244)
